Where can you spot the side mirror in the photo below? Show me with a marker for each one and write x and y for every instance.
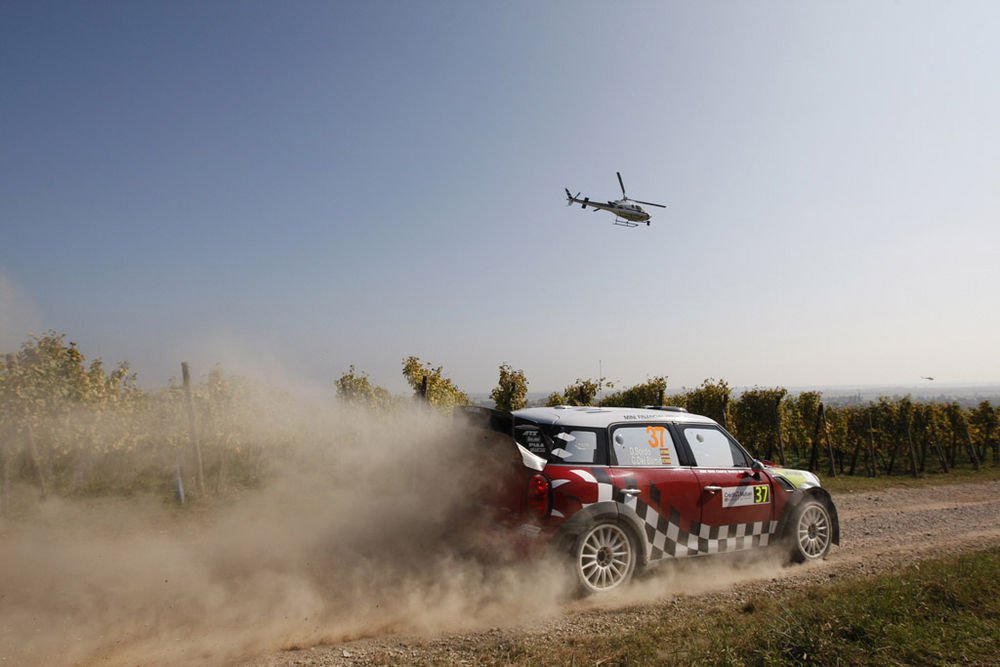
(756, 466)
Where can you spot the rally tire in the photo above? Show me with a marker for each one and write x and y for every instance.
(810, 533)
(604, 557)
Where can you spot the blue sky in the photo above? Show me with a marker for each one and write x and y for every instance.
(290, 188)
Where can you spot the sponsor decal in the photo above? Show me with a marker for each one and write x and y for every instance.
(657, 440)
(533, 441)
(741, 496)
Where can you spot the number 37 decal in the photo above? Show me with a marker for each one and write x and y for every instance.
(761, 494)
(741, 496)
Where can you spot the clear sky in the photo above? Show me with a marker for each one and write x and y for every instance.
(296, 187)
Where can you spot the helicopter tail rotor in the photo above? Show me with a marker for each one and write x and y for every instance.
(571, 199)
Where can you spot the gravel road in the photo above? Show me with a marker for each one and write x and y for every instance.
(880, 530)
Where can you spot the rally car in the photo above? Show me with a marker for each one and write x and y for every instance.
(621, 489)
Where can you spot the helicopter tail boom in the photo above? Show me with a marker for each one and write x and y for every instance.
(575, 199)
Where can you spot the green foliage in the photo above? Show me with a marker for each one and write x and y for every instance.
(46, 375)
(799, 415)
(923, 615)
(985, 424)
(71, 426)
(354, 388)
(581, 392)
(711, 399)
(56, 411)
(441, 392)
(756, 417)
(939, 612)
(554, 399)
(650, 392)
(511, 392)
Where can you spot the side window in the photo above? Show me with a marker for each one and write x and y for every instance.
(559, 444)
(644, 446)
(713, 449)
(575, 447)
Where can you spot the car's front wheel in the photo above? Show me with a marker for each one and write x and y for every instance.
(604, 557)
(811, 532)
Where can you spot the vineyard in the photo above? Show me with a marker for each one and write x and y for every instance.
(72, 428)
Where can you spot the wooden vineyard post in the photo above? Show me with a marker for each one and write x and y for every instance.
(852, 432)
(871, 444)
(220, 477)
(892, 455)
(909, 443)
(923, 452)
(969, 448)
(179, 481)
(814, 452)
(193, 427)
(826, 436)
(953, 450)
(777, 429)
(923, 442)
(933, 433)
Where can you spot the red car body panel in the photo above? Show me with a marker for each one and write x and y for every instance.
(675, 510)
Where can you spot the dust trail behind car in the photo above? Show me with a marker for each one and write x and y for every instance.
(365, 526)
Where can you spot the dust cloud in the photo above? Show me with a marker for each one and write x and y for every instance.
(365, 525)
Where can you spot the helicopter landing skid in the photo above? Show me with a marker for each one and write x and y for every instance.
(621, 222)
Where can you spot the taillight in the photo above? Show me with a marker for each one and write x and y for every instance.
(538, 495)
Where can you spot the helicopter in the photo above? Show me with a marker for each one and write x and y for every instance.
(627, 211)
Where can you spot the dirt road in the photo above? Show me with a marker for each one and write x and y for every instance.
(880, 530)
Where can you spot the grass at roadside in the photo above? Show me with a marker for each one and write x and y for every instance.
(944, 611)
(845, 483)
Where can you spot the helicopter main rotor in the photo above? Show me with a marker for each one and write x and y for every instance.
(625, 197)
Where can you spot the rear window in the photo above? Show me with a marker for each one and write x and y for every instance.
(562, 444)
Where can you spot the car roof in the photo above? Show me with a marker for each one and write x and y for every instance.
(594, 417)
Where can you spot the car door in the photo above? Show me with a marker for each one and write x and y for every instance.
(736, 504)
(657, 486)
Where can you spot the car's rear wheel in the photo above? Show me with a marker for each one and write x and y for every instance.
(604, 557)
(811, 532)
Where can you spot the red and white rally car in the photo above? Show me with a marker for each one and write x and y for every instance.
(620, 489)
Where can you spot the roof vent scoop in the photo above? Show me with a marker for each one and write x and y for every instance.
(665, 408)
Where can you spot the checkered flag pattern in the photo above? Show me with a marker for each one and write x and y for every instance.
(666, 539)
